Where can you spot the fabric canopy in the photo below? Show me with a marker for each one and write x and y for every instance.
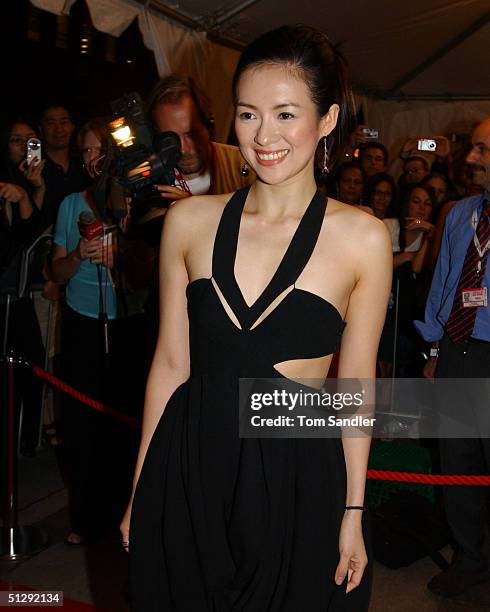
(176, 48)
(421, 66)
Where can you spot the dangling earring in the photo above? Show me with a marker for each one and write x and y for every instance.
(325, 168)
(245, 171)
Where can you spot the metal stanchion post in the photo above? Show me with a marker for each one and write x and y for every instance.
(16, 541)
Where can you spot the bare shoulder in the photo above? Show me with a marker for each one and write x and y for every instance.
(357, 228)
(197, 212)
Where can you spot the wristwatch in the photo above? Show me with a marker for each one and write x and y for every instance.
(434, 352)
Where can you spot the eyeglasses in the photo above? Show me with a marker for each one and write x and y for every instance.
(414, 170)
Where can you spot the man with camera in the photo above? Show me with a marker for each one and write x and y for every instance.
(457, 322)
(177, 104)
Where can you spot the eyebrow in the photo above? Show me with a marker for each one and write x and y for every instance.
(283, 105)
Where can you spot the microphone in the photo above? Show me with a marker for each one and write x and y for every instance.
(89, 226)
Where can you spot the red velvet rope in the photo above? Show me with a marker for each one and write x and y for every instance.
(85, 399)
(436, 479)
(433, 479)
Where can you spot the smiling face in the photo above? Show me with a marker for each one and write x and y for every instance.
(57, 128)
(277, 123)
(479, 156)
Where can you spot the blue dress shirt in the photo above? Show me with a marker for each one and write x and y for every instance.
(457, 236)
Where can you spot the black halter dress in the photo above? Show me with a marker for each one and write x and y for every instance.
(228, 524)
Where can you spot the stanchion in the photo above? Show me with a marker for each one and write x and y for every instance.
(16, 541)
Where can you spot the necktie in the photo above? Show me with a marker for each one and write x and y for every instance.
(461, 321)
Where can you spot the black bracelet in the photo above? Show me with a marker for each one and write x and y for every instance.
(354, 507)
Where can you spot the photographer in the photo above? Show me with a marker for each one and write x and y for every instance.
(84, 265)
(21, 193)
(179, 105)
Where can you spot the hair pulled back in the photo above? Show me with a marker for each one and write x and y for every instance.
(310, 53)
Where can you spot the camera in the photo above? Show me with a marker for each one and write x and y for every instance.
(370, 133)
(141, 157)
(426, 144)
(137, 158)
(33, 151)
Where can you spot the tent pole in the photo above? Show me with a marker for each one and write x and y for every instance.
(440, 53)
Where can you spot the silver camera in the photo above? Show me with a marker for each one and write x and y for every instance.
(427, 144)
(370, 133)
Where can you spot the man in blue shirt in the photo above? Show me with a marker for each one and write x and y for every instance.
(457, 322)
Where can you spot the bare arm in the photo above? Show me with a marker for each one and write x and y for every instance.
(64, 265)
(365, 318)
(171, 361)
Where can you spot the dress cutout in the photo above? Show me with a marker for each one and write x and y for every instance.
(228, 524)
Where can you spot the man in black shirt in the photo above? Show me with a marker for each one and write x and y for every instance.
(63, 171)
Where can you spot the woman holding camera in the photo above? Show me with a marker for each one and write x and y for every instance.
(260, 284)
(83, 264)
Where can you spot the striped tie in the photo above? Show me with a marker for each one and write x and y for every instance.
(461, 321)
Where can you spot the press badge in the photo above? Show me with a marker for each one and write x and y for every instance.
(472, 298)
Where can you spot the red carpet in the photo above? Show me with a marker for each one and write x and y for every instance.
(68, 604)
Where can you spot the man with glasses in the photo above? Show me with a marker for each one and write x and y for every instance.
(457, 322)
(415, 168)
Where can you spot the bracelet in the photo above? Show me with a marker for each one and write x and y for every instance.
(354, 507)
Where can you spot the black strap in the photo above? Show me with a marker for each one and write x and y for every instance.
(292, 264)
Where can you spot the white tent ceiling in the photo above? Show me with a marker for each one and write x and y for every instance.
(418, 48)
(424, 64)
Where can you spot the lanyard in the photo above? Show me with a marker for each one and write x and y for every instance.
(183, 183)
(474, 224)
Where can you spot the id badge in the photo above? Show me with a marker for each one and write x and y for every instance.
(474, 297)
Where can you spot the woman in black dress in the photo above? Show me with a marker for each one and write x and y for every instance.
(265, 283)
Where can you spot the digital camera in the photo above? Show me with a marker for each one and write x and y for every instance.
(370, 133)
(427, 144)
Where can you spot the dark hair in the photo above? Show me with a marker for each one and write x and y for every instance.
(416, 158)
(371, 186)
(365, 146)
(55, 104)
(322, 67)
(172, 88)
(405, 202)
(7, 129)
(348, 166)
(451, 193)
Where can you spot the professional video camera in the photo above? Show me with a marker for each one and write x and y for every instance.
(141, 158)
(137, 159)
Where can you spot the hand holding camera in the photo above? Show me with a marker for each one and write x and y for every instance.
(170, 192)
(33, 172)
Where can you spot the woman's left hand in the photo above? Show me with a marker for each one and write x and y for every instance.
(353, 557)
(33, 172)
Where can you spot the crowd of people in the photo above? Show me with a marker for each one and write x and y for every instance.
(105, 288)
